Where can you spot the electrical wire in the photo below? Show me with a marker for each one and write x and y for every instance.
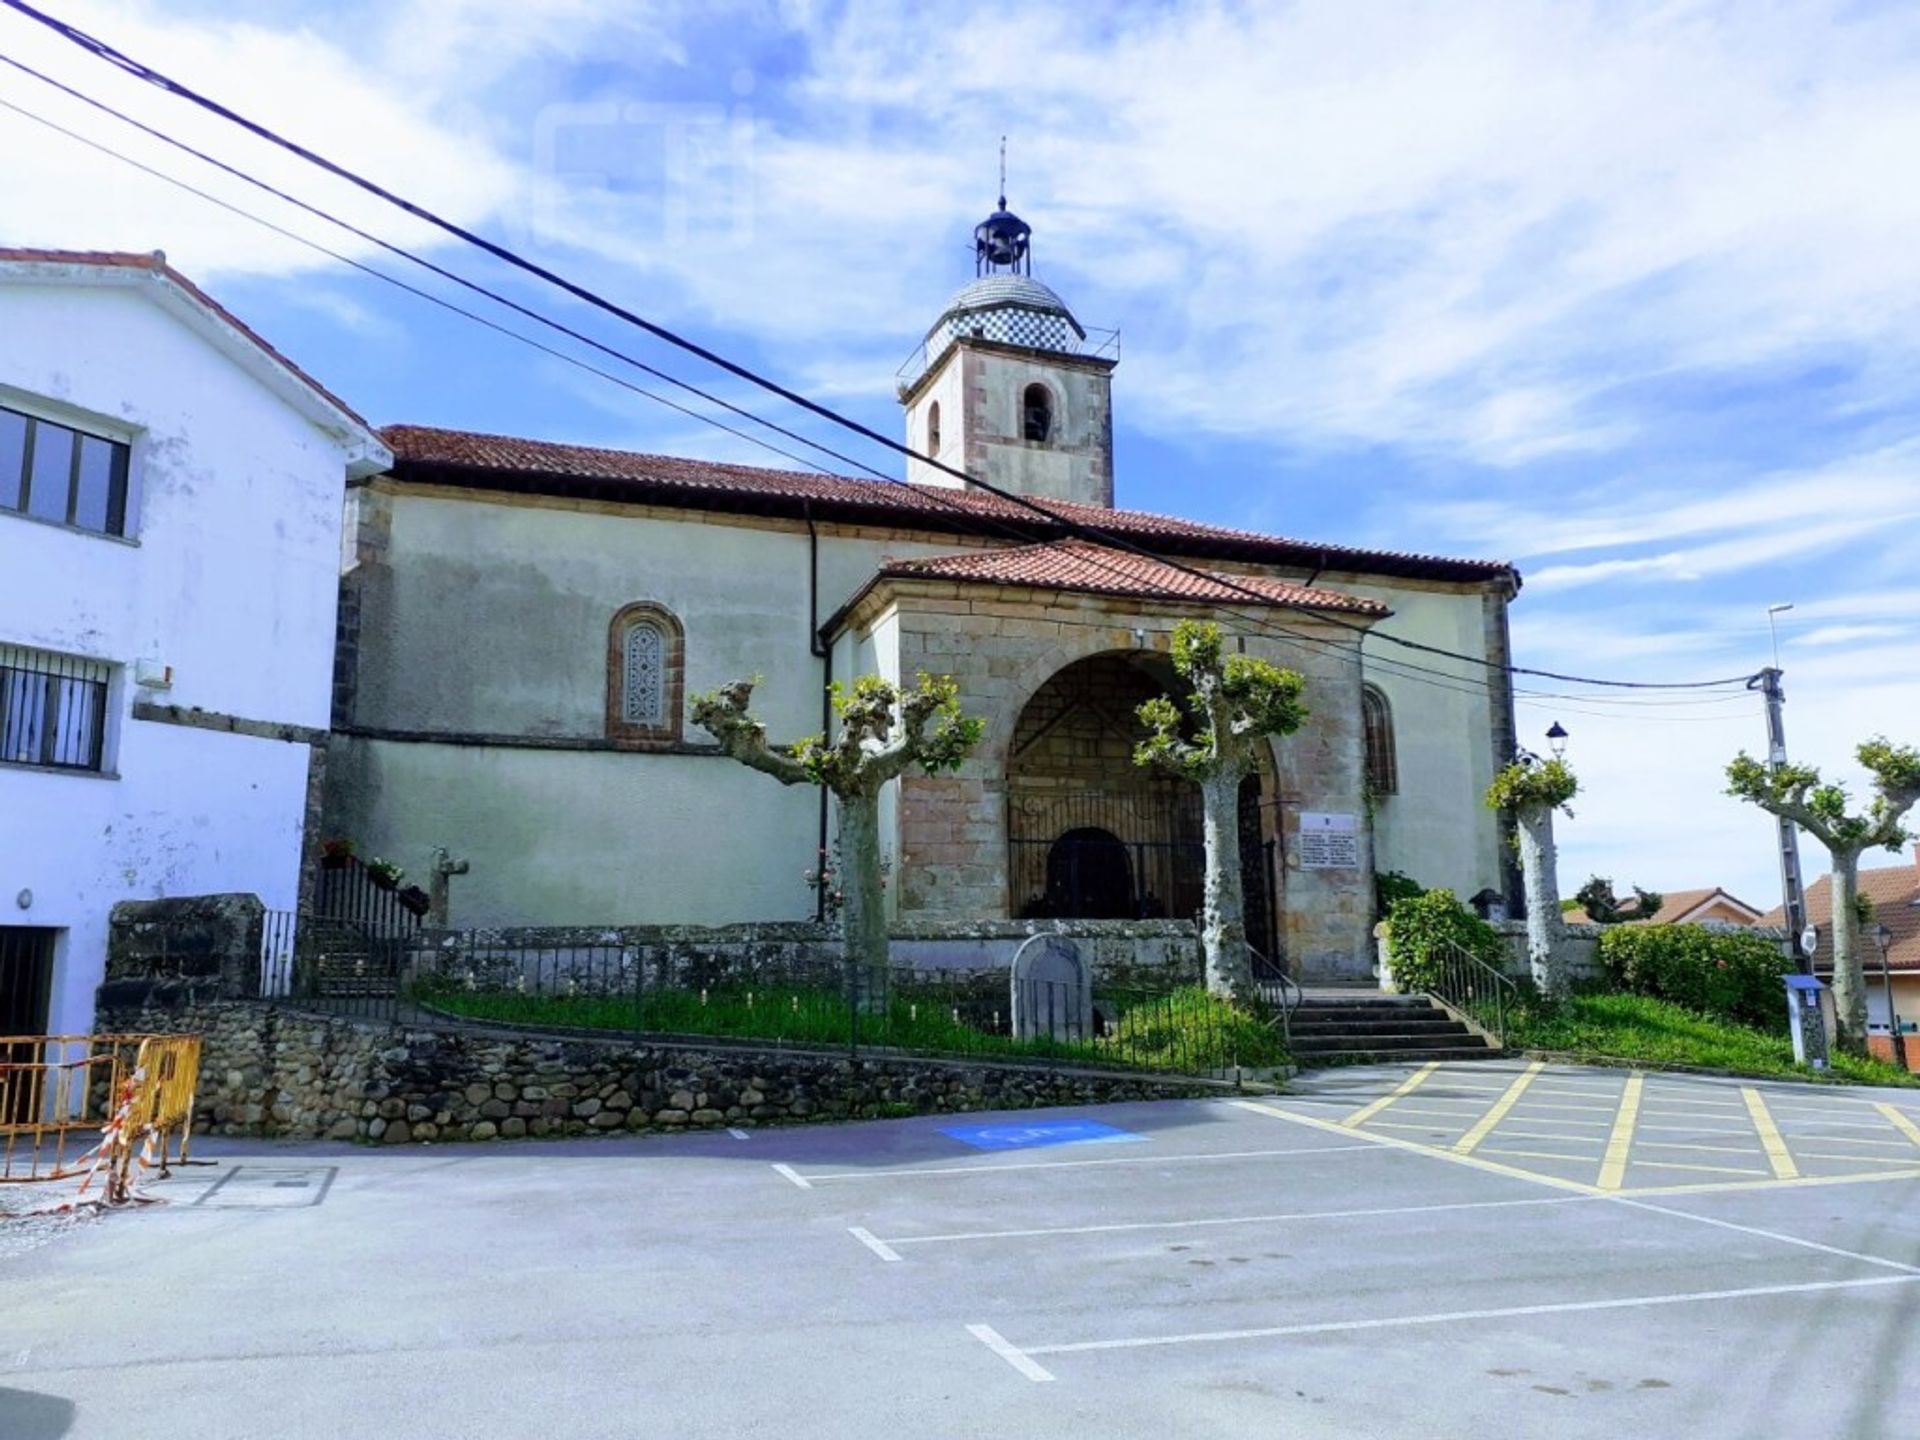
(138, 70)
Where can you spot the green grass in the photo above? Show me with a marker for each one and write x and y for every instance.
(1187, 1031)
(1658, 1032)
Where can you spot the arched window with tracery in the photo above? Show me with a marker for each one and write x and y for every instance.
(933, 429)
(1036, 412)
(646, 659)
(1383, 766)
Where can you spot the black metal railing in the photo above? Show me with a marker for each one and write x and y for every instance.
(475, 980)
(1472, 989)
(347, 888)
(1278, 991)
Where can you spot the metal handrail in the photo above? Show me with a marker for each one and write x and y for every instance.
(1267, 971)
(1473, 990)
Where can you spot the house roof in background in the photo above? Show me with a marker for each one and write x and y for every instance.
(1086, 568)
(475, 461)
(33, 263)
(1676, 908)
(1895, 893)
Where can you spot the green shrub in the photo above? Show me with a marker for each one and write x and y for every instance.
(1191, 1030)
(1733, 974)
(1420, 926)
(1390, 887)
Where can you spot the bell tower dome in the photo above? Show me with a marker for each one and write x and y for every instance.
(1007, 385)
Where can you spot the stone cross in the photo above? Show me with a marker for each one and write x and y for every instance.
(444, 866)
(1052, 990)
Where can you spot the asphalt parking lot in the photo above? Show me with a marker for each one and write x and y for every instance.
(1480, 1249)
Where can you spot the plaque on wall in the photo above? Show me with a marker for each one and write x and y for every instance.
(1329, 841)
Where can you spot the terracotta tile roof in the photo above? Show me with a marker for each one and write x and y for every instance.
(498, 462)
(1087, 568)
(1674, 907)
(156, 263)
(1895, 892)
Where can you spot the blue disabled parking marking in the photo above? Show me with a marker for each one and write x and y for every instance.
(1030, 1137)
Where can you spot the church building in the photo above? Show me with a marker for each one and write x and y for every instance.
(523, 621)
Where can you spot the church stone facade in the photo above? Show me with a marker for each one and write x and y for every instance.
(522, 622)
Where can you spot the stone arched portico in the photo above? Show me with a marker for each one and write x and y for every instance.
(1003, 642)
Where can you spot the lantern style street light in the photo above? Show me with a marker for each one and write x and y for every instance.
(1557, 740)
(1883, 937)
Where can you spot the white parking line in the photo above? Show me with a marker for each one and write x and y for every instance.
(739, 1134)
(807, 1182)
(1009, 1352)
(1118, 1227)
(873, 1242)
(1720, 1224)
(1445, 1317)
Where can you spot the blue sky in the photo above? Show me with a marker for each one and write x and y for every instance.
(1626, 293)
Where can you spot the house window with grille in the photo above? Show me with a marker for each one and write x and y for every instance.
(1036, 408)
(645, 675)
(53, 710)
(1383, 767)
(57, 473)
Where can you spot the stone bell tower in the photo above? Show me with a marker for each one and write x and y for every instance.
(1008, 386)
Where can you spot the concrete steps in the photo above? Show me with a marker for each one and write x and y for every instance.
(1365, 1027)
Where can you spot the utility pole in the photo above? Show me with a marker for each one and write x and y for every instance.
(1793, 896)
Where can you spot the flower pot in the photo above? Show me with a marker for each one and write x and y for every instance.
(415, 901)
(333, 862)
(380, 881)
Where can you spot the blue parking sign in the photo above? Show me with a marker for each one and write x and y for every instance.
(1029, 1137)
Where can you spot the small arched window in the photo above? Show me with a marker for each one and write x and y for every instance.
(1036, 412)
(1383, 767)
(933, 428)
(646, 658)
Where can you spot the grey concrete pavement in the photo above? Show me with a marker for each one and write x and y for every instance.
(1279, 1266)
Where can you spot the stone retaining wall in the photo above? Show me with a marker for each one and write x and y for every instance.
(270, 1071)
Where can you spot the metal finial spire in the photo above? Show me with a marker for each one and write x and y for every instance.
(1003, 172)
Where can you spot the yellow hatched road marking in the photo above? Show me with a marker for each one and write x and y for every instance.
(1613, 1170)
(1905, 1126)
(1406, 1087)
(1770, 1141)
(1706, 1169)
(1466, 1143)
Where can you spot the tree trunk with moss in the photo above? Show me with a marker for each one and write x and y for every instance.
(1223, 923)
(1546, 928)
(1849, 975)
(863, 915)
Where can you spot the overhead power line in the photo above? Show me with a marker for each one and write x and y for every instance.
(105, 51)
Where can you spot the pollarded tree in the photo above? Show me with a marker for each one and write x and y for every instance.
(1237, 702)
(871, 749)
(1796, 792)
(1530, 790)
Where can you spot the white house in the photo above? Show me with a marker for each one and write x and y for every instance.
(170, 524)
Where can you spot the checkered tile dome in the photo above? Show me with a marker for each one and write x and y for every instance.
(1012, 309)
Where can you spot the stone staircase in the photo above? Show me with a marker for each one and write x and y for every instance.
(1366, 1027)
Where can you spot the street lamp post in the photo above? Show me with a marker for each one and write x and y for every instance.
(1896, 1043)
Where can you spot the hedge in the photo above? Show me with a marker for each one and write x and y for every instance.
(1419, 926)
(1732, 974)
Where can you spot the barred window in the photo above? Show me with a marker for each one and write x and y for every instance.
(54, 472)
(53, 709)
(645, 675)
(1383, 766)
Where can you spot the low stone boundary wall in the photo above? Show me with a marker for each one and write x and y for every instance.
(271, 1071)
(1124, 953)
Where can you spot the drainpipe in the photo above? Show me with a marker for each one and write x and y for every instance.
(823, 651)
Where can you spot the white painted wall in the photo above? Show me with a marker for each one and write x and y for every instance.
(229, 575)
(491, 618)
(1437, 828)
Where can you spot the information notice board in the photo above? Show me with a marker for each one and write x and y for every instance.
(1329, 841)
